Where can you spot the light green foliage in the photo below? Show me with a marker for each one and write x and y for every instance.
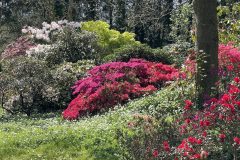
(109, 39)
(181, 25)
(229, 23)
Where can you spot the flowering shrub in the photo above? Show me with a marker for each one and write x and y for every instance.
(27, 85)
(215, 129)
(38, 51)
(229, 61)
(117, 82)
(47, 29)
(18, 47)
(212, 133)
(229, 58)
(71, 46)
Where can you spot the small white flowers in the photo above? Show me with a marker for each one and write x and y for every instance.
(39, 49)
(24, 30)
(54, 26)
(44, 32)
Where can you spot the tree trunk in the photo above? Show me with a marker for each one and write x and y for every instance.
(207, 49)
(111, 14)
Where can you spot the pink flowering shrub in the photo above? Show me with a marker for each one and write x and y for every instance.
(117, 82)
(17, 48)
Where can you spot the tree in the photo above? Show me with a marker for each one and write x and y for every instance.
(92, 9)
(121, 15)
(207, 49)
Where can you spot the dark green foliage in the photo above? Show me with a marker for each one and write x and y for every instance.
(71, 46)
(65, 75)
(28, 85)
(139, 51)
(181, 24)
(179, 51)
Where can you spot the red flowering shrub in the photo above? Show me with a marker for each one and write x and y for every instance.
(117, 82)
(212, 133)
(217, 126)
(229, 60)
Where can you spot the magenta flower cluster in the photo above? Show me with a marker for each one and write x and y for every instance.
(115, 83)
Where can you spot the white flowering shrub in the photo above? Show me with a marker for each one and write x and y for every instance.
(71, 46)
(47, 29)
(40, 51)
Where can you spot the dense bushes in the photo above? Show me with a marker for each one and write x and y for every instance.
(65, 75)
(72, 46)
(28, 85)
(208, 134)
(229, 23)
(229, 63)
(127, 52)
(17, 48)
(117, 82)
(190, 133)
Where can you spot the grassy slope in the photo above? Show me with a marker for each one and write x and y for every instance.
(91, 138)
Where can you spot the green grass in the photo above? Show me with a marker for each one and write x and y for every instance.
(48, 136)
(53, 138)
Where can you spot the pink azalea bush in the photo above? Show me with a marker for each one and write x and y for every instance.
(117, 82)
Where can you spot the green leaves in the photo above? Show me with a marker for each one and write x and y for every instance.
(109, 39)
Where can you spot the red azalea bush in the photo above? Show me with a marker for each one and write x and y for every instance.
(229, 60)
(117, 82)
(212, 133)
(215, 129)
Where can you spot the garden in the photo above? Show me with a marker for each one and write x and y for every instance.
(116, 80)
